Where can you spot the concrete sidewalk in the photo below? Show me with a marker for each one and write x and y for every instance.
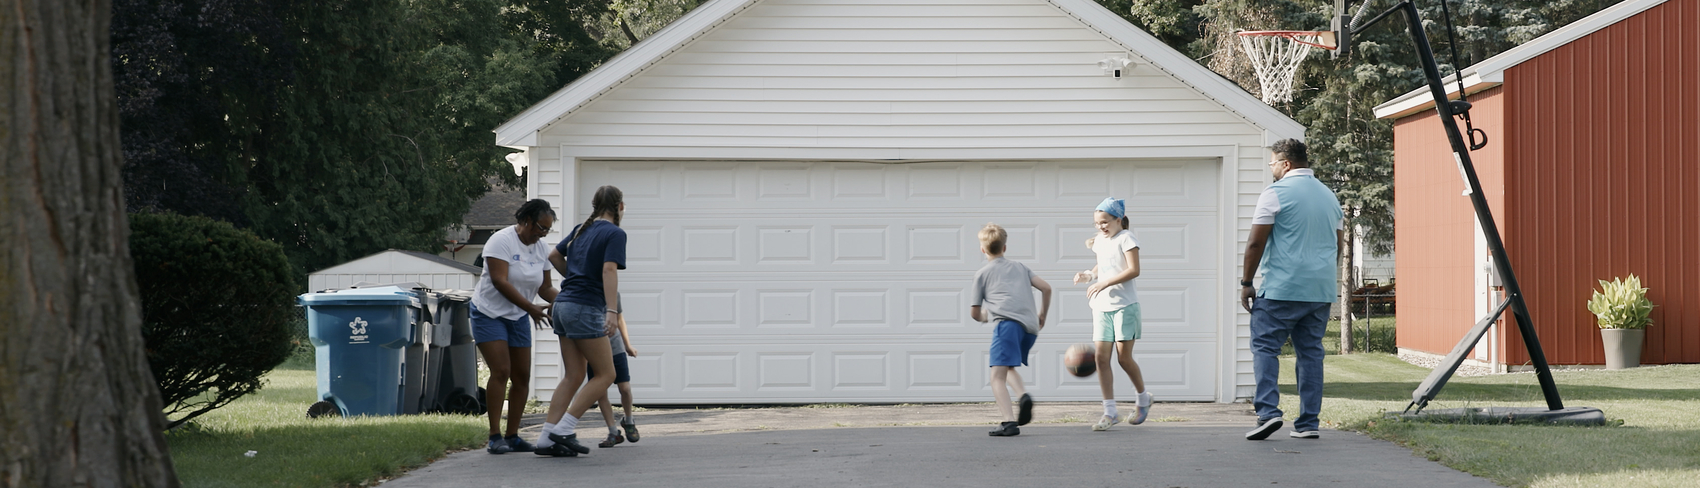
(1185, 444)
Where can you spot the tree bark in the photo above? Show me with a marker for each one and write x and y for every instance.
(78, 405)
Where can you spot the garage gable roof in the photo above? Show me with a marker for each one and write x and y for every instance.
(1491, 72)
(523, 129)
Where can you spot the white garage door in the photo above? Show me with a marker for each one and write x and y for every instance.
(772, 282)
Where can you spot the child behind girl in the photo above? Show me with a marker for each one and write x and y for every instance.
(1115, 306)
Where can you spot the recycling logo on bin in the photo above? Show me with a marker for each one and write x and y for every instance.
(358, 334)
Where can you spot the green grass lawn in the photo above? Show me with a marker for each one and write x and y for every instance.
(1657, 445)
(292, 450)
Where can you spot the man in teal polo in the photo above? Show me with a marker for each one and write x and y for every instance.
(1295, 239)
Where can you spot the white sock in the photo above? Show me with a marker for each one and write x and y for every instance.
(543, 436)
(567, 425)
(613, 430)
(1144, 399)
(1110, 408)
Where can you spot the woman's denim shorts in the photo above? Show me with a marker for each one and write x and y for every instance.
(579, 321)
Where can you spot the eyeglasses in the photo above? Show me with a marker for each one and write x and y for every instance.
(1278, 161)
(545, 230)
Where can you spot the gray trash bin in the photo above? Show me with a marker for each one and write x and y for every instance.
(452, 382)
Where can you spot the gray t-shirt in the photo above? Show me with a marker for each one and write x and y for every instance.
(614, 330)
(1004, 290)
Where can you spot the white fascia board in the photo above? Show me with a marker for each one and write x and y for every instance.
(523, 128)
(1420, 99)
(1183, 68)
(1491, 72)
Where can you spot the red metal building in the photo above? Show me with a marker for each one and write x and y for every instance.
(1592, 171)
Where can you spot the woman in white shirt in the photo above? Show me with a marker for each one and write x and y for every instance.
(516, 273)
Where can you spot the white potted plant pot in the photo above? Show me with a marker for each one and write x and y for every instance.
(1623, 347)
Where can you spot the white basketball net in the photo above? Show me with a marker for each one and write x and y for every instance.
(1276, 60)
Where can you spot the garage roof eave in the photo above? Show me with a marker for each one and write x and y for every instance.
(522, 130)
(1491, 72)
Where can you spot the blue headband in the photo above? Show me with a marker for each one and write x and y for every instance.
(1112, 206)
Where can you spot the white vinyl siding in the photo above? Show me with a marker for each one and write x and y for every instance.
(898, 74)
(821, 83)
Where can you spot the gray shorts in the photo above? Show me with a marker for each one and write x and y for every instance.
(579, 321)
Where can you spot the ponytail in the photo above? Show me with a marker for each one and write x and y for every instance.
(1124, 222)
(606, 202)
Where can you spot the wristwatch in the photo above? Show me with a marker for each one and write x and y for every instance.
(1245, 283)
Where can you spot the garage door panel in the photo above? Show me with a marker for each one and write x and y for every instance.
(802, 281)
(895, 372)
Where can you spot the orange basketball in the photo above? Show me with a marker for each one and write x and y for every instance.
(1080, 360)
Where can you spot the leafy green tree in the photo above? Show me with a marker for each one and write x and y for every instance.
(336, 128)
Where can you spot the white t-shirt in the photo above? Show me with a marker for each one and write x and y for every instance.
(1112, 260)
(526, 267)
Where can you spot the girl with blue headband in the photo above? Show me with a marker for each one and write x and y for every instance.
(1115, 307)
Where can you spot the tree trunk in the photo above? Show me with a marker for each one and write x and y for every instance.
(1348, 284)
(78, 406)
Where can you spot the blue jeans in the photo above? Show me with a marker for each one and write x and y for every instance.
(1272, 322)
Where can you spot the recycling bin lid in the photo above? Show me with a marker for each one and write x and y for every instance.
(363, 296)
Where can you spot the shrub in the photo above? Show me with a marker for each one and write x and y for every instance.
(217, 309)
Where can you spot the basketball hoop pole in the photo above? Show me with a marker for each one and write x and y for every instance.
(1447, 110)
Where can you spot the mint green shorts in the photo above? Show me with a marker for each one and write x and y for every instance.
(1116, 326)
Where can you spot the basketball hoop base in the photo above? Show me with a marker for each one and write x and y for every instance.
(1579, 416)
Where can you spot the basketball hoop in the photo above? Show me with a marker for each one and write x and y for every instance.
(1275, 56)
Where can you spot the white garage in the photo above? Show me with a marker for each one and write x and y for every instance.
(804, 181)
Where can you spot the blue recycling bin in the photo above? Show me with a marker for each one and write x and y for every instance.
(360, 340)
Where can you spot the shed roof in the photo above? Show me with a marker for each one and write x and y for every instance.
(400, 261)
(523, 130)
(1491, 72)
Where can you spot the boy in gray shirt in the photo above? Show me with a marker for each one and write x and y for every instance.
(1004, 287)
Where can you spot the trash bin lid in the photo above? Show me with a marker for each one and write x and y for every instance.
(386, 295)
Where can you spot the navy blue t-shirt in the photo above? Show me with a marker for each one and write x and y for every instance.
(603, 242)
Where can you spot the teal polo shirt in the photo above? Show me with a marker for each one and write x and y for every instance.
(1299, 260)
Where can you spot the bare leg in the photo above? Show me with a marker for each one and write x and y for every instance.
(626, 397)
(1106, 379)
(600, 355)
(520, 377)
(607, 410)
(1001, 393)
(1124, 355)
(1016, 389)
(496, 357)
(573, 361)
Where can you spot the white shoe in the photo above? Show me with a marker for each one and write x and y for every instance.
(1309, 434)
(1141, 411)
(1104, 423)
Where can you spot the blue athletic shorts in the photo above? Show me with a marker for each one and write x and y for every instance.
(622, 374)
(1011, 343)
(486, 328)
(579, 321)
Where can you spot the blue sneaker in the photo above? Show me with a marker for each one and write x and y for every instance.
(519, 445)
(498, 445)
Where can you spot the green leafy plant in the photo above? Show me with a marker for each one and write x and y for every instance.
(217, 310)
(1622, 304)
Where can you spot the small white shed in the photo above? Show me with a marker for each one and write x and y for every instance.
(397, 266)
(804, 181)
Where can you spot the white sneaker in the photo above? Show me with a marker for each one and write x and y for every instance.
(1309, 434)
(1104, 423)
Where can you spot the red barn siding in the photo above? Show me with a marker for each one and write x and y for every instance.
(1604, 146)
(1434, 231)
